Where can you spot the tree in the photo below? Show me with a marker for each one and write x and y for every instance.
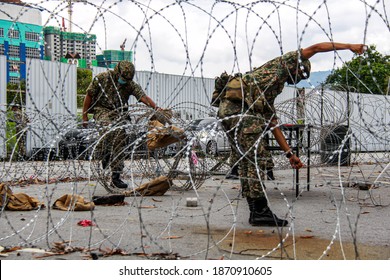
(84, 78)
(16, 93)
(369, 73)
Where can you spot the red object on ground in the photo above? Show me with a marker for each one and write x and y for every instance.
(85, 223)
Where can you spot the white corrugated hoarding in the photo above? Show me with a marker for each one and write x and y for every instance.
(189, 96)
(3, 107)
(370, 122)
(51, 90)
(367, 115)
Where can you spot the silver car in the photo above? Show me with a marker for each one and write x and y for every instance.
(210, 136)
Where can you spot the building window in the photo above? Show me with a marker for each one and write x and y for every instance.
(14, 80)
(13, 67)
(1, 32)
(33, 53)
(13, 51)
(13, 34)
(32, 36)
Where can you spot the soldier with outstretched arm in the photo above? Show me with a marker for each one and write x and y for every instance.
(246, 107)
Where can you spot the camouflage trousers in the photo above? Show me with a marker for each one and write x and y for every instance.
(112, 142)
(249, 147)
(229, 125)
(21, 135)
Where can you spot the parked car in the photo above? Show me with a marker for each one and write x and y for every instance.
(210, 136)
(78, 143)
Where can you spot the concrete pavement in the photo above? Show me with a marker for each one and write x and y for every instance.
(336, 219)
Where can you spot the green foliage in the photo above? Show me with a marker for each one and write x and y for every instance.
(11, 142)
(84, 78)
(369, 73)
(16, 93)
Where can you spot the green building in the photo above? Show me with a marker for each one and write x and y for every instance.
(110, 58)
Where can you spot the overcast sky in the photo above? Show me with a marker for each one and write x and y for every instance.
(207, 37)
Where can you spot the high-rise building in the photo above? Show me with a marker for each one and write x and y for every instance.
(70, 46)
(20, 37)
(23, 36)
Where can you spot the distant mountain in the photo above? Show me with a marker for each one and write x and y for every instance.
(316, 78)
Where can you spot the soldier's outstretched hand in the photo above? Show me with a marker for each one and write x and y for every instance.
(295, 162)
(358, 48)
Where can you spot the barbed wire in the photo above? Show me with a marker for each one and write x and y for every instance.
(342, 139)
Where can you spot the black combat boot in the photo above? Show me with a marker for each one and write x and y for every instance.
(270, 174)
(117, 182)
(105, 161)
(233, 174)
(261, 215)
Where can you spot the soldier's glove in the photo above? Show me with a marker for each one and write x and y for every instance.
(164, 116)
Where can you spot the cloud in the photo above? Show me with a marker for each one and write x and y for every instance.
(209, 37)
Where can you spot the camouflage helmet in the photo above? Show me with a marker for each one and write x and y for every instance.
(125, 69)
(299, 73)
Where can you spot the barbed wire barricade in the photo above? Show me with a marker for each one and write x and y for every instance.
(57, 200)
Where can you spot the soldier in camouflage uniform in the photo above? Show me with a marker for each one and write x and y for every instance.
(246, 107)
(21, 120)
(107, 98)
(228, 124)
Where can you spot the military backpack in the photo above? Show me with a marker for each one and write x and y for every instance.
(229, 87)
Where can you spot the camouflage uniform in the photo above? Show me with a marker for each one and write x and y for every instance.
(109, 102)
(229, 109)
(229, 124)
(247, 118)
